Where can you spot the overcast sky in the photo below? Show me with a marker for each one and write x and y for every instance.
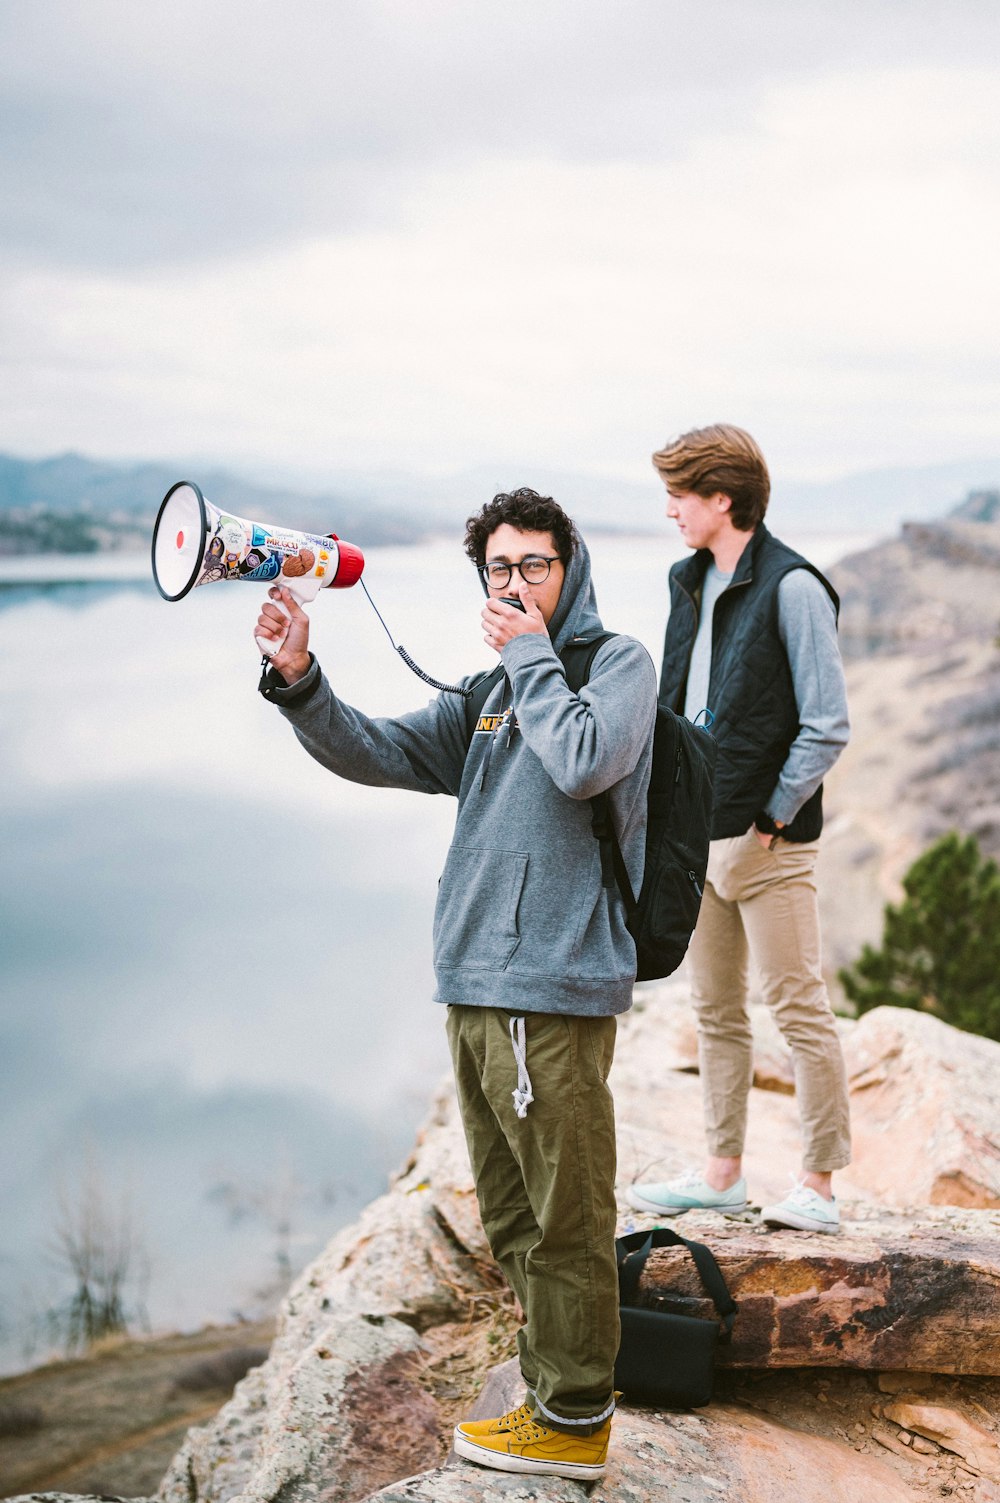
(422, 235)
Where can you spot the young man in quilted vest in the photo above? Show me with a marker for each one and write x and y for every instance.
(752, 640)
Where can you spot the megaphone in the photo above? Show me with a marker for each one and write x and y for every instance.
(195, 544)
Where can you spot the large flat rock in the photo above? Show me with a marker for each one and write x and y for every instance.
(725, 1453)
(917, 1290)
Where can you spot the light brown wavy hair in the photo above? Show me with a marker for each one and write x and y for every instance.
(719, 458)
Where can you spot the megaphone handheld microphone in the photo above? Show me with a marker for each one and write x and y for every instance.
(194, 543)
(435, 683)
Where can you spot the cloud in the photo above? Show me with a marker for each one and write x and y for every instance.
(423, 237)
(822, 274)
(143, 136)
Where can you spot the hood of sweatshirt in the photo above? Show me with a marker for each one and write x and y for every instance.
(576, 615)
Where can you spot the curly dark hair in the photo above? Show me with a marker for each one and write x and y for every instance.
(526, 510)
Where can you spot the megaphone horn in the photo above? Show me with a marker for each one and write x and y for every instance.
(195, 544)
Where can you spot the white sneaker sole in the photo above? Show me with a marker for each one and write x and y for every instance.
(501, 1461)
(658, 1209)
(797, 1223)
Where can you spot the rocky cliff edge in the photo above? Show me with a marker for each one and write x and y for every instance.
(867, 1361)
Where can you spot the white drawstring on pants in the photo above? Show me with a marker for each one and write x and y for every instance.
(522, 1095)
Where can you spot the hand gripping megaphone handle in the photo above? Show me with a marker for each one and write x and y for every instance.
(301, 591)
(270, 648)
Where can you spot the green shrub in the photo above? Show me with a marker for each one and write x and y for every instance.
(941, 946)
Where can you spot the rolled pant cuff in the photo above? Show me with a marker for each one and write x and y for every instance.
(568, 1424)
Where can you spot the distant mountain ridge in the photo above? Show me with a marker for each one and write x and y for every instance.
(72, 485)
(887, 497)
(979, 506)
(396, 507)
(859, 502)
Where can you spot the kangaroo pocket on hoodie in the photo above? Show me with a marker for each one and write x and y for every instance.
(476, 917)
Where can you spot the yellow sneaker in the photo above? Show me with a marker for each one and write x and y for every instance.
(530, 1447)
(495, 1426)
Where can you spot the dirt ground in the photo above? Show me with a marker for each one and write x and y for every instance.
(110, 1423)
(846, 1405)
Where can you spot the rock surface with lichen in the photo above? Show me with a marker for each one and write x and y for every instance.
(903, 1286)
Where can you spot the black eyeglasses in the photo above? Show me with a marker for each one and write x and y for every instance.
(533, 570)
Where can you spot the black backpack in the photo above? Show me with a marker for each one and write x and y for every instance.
(679, 817)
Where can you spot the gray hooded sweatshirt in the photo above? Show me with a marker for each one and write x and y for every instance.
(522, 920)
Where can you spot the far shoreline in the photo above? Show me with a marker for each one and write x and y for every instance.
(824, 546)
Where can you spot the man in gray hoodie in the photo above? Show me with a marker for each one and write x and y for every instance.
(531, 952)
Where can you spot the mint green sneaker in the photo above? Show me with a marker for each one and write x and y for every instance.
(688, 1192)
(805, 1210)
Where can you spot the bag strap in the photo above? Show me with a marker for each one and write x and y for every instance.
(481, 687)
(613, 869)
(633, 1249)
(576, 658)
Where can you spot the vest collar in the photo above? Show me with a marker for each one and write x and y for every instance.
(691, 572)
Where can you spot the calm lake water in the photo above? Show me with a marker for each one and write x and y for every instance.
(216, 957)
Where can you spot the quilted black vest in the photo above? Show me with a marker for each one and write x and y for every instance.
(750, 688)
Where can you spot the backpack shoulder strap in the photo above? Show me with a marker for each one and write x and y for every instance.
(577, 659)
(480, 687)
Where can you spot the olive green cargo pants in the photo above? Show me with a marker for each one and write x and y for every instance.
(545, 1184)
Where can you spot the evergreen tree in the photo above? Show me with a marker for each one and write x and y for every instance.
(941, 946)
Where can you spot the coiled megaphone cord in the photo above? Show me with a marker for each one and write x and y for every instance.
(435, 683)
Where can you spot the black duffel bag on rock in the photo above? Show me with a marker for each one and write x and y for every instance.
(668, 1359)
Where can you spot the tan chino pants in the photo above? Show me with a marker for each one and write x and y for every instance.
(760, 906)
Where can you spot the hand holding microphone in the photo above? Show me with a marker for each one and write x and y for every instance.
(505, 619)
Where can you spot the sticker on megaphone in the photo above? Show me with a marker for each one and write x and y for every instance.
(194, 543)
